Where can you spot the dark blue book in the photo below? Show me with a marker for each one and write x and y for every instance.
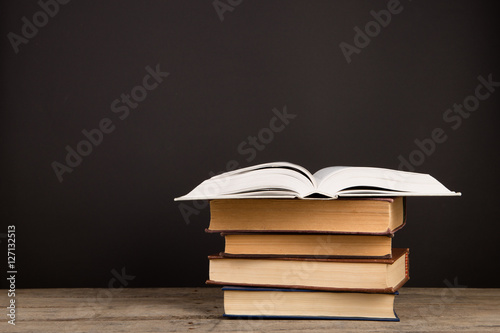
(262, 303)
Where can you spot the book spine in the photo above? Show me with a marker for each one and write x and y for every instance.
(389, 290)
(284, 317)
(407, 266)
(388, 232)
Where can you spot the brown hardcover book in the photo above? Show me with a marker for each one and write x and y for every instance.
(302, 245)
(357, 275)
(349, 216)
(241, 302)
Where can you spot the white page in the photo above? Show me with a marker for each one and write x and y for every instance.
(326, 172)
(271, 165)
(334, 180)
(256, 181)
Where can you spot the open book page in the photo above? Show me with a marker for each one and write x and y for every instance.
(285, 165)
(327, 172)
(261, 181)
(346, 181)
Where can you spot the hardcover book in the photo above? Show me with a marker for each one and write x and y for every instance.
(307, 245)
(307, 304)
(333, 274)
(381, 216)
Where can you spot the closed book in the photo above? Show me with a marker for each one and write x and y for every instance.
(306, 245)
(307, 304)
(378, 216)
(334, 274)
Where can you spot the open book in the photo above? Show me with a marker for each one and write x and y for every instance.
(287, 180)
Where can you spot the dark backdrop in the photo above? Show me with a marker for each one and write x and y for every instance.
(114, 213)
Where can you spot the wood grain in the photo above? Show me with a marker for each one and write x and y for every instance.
(200, 310)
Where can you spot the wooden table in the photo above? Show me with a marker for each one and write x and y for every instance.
(200, 310)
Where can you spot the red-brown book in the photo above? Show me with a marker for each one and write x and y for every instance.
(356, 275)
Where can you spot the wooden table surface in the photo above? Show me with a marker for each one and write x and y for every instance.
(200, 310)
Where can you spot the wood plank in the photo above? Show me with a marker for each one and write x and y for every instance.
(200, 310)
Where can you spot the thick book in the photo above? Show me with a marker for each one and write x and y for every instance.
(333, 274)
(287, 180)
(306, 245)
(350, 216)
(307, 304)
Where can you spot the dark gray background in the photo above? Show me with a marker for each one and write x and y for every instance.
(116, 211)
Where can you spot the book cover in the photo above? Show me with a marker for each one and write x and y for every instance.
(278, 303)
(333, 274)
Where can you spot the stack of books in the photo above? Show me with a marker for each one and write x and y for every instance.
(309, 258)
(289, 257)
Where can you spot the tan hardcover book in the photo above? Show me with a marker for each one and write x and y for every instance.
(307, 304)
(362, 275)
(299, 245)
(380, 216)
